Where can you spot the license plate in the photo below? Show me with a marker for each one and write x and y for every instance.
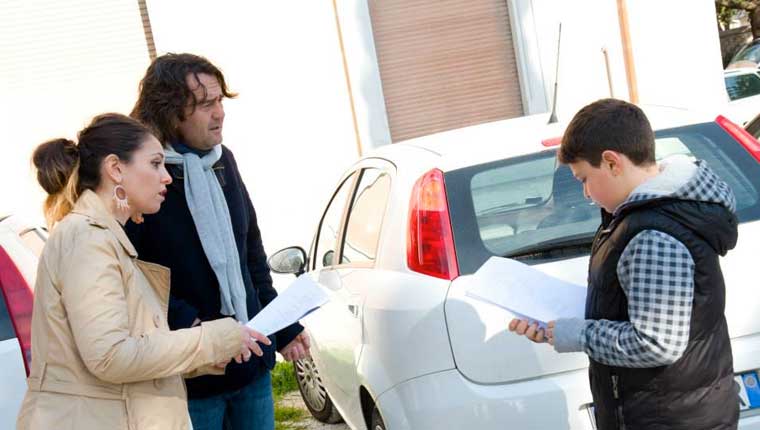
(749, 390)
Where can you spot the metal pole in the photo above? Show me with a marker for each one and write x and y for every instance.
(625, 35)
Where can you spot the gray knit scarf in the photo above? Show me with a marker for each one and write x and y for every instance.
(211, 217)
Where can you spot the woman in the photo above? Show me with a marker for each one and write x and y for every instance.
(102, 353)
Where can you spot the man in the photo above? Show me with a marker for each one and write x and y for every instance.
(207, 234)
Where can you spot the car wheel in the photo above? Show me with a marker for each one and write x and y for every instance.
(377, 420)
(314, 393)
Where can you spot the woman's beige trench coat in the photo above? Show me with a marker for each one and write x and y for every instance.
(102, 353)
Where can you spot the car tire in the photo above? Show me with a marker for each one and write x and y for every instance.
(313, 392)
(377, 420)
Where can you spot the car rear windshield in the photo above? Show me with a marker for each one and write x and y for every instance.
(532, 208)
(741, 86)
(750, 52)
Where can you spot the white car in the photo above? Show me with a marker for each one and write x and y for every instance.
(743, 88)
(401, 346)
(20, 248)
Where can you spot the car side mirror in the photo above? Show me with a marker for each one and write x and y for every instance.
(327, 259)
(290, 260)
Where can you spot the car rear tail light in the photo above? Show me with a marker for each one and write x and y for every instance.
(552, 141)
(19, 299)
(430, 241)
(741, 135)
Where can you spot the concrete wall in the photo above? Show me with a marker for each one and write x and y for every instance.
(60, 64)
(675, 46)
(731, 41)
(291, 128)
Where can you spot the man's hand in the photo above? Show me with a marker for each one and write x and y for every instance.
(298, 348)
(532, 332)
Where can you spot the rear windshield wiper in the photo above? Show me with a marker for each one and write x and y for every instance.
(560, 244)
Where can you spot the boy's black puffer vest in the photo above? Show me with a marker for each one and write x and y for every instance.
(698, 390)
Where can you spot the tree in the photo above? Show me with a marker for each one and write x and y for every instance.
(752, 7)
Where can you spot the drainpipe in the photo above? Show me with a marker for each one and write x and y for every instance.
(348, 79)
(625, 36)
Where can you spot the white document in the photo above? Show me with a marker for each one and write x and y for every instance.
(527, 292)
(298, 300)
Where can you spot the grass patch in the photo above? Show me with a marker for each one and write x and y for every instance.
(288, 413)
(283, 379)
(283, 382)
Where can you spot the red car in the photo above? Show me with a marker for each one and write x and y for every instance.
(20, 248)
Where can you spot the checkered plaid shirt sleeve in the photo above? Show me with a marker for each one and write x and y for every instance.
(656, 272)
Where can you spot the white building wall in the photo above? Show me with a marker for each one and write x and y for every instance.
(364, 74)
(291, 127)
(676, 52)
(676, 48)
(61, 63)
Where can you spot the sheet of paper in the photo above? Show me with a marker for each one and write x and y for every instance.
(527, 292)
(299, 299)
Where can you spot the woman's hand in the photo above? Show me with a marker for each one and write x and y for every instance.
(249, 338)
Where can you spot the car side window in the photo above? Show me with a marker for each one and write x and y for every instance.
(741, 86)
(365, 217)
(329, 226)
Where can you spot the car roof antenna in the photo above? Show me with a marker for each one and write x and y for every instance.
(553, 116)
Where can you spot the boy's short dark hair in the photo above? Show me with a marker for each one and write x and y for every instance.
(608, 124)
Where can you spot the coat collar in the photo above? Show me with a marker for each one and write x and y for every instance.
(90, 206)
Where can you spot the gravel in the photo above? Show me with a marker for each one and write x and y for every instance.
(293, 399)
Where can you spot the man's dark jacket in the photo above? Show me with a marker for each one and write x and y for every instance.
(169, 238)
(698, 390)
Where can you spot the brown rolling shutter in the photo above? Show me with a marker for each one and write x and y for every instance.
(444, 64)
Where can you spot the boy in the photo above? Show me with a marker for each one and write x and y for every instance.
(655, 330)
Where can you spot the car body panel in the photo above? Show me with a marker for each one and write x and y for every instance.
(22, 242)
(486, 353)
(743, 88)
(13, 375)
(430, 356)
(448, 400)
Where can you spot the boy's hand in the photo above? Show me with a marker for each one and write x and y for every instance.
(532, 332)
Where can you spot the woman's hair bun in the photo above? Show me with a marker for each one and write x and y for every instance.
(55, 161)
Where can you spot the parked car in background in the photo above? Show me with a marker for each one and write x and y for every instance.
(743, 88)
(753, 126)
(742, 83)
(747, 56)
(401, 346)
(20, 247)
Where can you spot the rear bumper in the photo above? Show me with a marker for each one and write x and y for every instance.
(750, 420)
(446, 400)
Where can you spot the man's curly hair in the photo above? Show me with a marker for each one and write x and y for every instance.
(164, 94)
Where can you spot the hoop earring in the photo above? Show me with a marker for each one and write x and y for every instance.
(122, 203)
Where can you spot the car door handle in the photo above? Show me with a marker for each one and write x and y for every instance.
(354, 309)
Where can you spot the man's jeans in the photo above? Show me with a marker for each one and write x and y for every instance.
(249, 408)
